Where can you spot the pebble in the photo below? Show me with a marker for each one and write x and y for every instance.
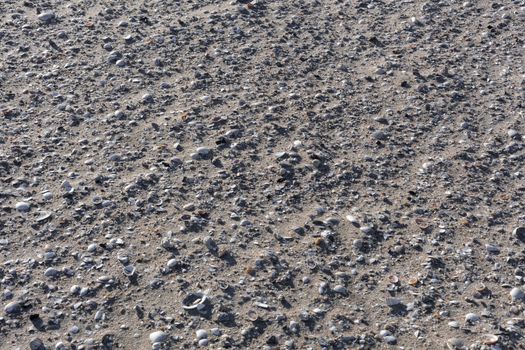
(472, 318)
(517, 293)
(201, 334)
(12, 308)
(519, 233)
(147, 98)
(171, 263)
(212, 154)
(46, 16)
(203, 151)
(366, 229)
(340, 289)
(454, 324)
(51, 272)
(455, 344)
(492, 248)
(390, 339)
(37, 344)
(393, 302)
(158, 337)
(512, 133)
(22, 206)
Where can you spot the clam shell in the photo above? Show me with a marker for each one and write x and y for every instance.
(252, 315)
(194, 301)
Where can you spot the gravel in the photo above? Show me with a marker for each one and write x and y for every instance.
(256, 174)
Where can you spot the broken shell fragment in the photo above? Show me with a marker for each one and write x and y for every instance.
(129, 270)
(194, 301)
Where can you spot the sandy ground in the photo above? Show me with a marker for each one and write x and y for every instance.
(262, 174)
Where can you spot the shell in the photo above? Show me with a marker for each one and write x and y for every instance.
(252, 315)
(194, 301)
(129, 270)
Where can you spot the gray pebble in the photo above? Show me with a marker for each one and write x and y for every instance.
(390, 339)
(201, 334)
(158, 337)
(517, 294)
(22, 206)
(471, 318)
(51, 272)
(12, 308)
(46, 16)
(340, 289)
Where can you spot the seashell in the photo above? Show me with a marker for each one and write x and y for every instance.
(481, 288)
(311, 264)
(129, 270)
(44, 215)
(393, 279)
(67, 187)
(413, 281)
(519, 233)
(252, 315)
(124, 259)
(194, 301)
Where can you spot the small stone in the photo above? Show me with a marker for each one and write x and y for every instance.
(393, 302)
(46, 16)
(471, 318)
(352, 219)
(210, 243)
(37, 344)
(51, 272)
(517, 294)
(121, 63)
(201, 334)
(171, 263)
(12, 308)
(390, 339)
(147, 98)
(519, 233)
(203, 342)
(454, 343)
(158, 337)
(22, 206)
(454, 324)
(340, 289)
(203, 151)
(492, 248)
(379, 135)
(189, 207)
(512, 133)
(366, 229)
(490, 339)
(384, 333)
